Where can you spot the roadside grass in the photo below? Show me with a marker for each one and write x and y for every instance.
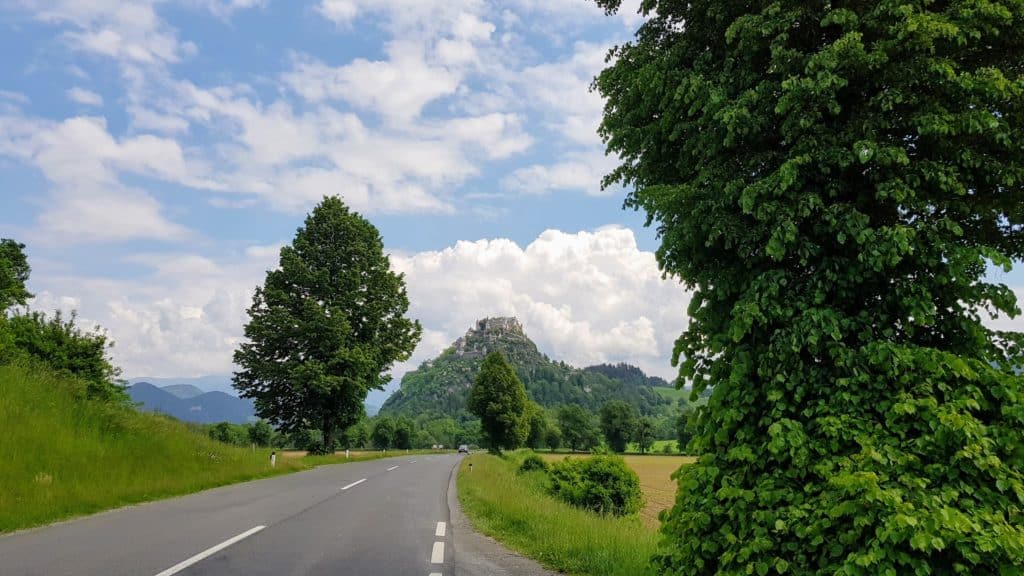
(63, 456)
(516, 510)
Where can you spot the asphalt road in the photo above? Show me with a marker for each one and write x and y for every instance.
(382, 517)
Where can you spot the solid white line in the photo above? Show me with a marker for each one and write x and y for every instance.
(392, 468)
(437, 554)
(440, 530)
(356, 483)
(209, 552)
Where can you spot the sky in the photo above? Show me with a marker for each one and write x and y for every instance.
(155, 156)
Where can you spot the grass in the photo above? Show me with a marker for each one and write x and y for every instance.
(516, 510)
(63, 456)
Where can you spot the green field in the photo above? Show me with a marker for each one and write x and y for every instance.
(673, 394)
(63, 456)
(516, 510)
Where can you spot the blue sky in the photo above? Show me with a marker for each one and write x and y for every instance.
(155, 155)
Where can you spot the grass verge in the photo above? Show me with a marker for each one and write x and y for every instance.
(516, 510)
(64, 456)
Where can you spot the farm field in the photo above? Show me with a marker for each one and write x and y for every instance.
(655, 473)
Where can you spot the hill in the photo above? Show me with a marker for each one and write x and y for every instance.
(65, 455)
(205, 408)
(184, 390)
(439, 387)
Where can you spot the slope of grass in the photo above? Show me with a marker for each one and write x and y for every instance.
(516, 510)
(63, 456)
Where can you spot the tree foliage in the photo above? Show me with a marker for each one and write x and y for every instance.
(499, 399)
(14, 271)
(832, 180)
(644, 435)
(57, 341)
(326, 326)
(579, 432)
(618, 423)
(383, 435)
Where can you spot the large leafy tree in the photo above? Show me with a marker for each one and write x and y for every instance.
(326, 326)
(578, 429)
(618, 423)
(833, 180)
(499, 399)
(14, 271)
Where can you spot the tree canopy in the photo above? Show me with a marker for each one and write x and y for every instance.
(326, 326)
(577, 426)
(499, 399)
(14, 272)
(618, 423)
(833, 181)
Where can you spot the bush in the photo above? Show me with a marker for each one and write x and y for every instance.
(667, 448)
(602, 484)
(533, 462)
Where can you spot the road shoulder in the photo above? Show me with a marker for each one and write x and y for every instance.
(477, 554)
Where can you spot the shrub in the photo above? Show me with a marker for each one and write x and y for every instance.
(667, 448)
(533, 462)
(602, 484)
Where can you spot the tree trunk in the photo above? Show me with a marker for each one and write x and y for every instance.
(328, 432)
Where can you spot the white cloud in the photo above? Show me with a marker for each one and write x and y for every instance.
(585, 298)
(579, 171)
(88, 201)
(85, 97)
(127, 30)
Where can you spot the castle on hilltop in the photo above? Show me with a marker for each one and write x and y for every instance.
(477, 340)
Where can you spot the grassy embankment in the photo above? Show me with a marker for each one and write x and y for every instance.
(516, 510)
(63, 456)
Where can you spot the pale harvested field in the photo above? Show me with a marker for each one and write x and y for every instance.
(655, 480)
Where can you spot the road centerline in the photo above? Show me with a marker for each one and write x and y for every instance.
(209, 552)
(392, 468)
(440, 530)
(356, 483)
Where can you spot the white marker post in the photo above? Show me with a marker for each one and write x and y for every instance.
(273, 459)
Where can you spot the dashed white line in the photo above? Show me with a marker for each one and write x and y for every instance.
(209, 552)
(413, 462)
(435, 574)
(437, 554)
(356, 483)
(392, 468)
(440, 530)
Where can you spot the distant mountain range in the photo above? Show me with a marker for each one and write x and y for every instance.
(441, 386)
(186, 399)
(182, 403)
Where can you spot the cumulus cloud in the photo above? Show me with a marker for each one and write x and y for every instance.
(584, 297)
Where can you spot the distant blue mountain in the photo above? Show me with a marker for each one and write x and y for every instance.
(206, 408)
(183, 390)
(185, 399)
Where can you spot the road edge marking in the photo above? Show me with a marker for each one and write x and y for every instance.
(440, 531)
(437, 554)
(356, 483)
(209, 552)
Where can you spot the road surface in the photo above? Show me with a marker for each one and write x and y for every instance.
(382, 517)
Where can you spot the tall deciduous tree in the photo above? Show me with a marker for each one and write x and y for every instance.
(326, 326)
(499, 398)
(833, 180)
(643, 434)
(618, 423)
(14, 271)
(578, 429)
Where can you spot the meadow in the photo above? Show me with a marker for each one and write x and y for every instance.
(655, 473)
(62, 455)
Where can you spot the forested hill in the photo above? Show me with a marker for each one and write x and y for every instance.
(439, 387)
